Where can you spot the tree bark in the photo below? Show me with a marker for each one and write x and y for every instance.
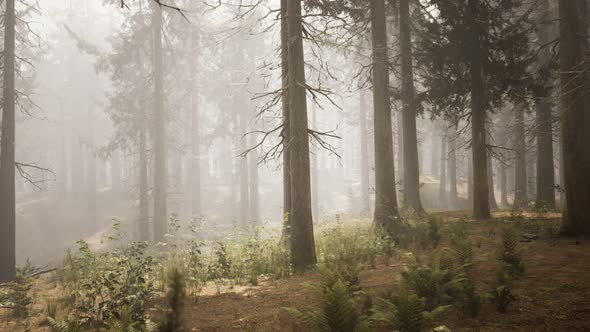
(315, 197)
(143, 219)
(576, 161)
(7, 150)
(470, 180)
(442, 188)
(365, 191)
(411, 175)
(503, 186)
(492, 196)
(545, 197)
(520, 173)
(244, 178)
(386, 211)
(303, 253)
(481, 207)
(452, 170)
(285, 134)
(159, 135)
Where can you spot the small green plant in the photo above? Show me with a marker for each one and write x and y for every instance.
(335, 309)
(70, 324)
(176, 295)
(17, 295)
(509, 253)
(502, 297)
(405, 313)
(51, 308)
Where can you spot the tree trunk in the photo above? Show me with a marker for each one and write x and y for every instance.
(452, 170)
(159, 135)
(545, 168)
(504, 185)
(469, 180)
(365, 191)
(244, 178)
(7, 162)
(573, 114)
(315, 198)
(254, 186)
(195, 159)
(520, 176)
(481, 206)
(285, 133)
(492, 196)
(303, 253)
(91, 173)
(411, 176)
(442, 188)
(116, 171)
(143, 219)
(386, 211)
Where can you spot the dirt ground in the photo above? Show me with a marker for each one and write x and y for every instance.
(553, 295)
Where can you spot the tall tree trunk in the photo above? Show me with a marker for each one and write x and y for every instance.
(303, 253)
(116, 171)
(143, 219)
(434, 152)
(442, 188)
(244, 178)
(254, 185)
(91, 173)
(520, 176)
(452, 169)
(315, 198)
(386, 211)
(481, 206)
(411, 176)
(195, 160)
(159, 135)
(503, 186)
(492, 196)
(545, 167)
(285, 133)
(469, 180)
(365, 191)
(575, 157)
(7, 162)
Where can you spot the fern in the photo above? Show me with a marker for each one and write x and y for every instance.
(502, 297)
(67, 325)
(405, 313)
(336, 310)
(509, 253)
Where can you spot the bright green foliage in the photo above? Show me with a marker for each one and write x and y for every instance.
(335, 310)
(176, 295)
(68, 325)
(405, 313)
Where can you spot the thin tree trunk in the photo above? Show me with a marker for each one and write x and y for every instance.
(195, 160)
(442, 188)
(492, 196)
(411, 176)
(285, 134)
(575, 156)
(520, 173)
(303, 253)
(452, 169)
(116, 171)
(244, 178)
(159, 135)
(365, 191)
(143, 219)
(7, 161)
(469, 180)
(315, 198)
(503, 186)
(91, 173)
(254, 185)
(481, 207)
(386, 211)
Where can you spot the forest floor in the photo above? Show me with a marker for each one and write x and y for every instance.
(553, 294)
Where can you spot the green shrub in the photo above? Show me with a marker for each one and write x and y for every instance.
(405, 313)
